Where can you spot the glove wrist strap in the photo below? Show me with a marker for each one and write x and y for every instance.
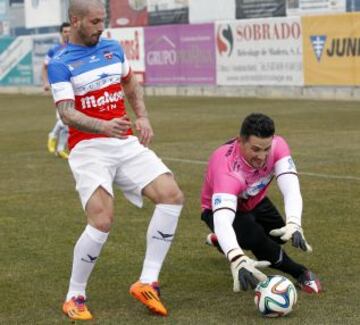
(235, 254)
(294, 221)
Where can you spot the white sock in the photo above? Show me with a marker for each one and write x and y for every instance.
(159, 236)
(62, 139)
(86, 251)
(56, 129)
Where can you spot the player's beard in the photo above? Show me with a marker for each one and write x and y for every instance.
(89, 40)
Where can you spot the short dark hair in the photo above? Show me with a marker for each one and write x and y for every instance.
(63, 25)
(257, 124)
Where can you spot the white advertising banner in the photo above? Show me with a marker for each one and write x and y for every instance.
(42, 13)
(259, 52)
(132, 41)
(314, 7)
(206, 11)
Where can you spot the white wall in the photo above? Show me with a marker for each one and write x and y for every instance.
(204, 11)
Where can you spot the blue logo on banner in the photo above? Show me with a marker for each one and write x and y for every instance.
(318, 44)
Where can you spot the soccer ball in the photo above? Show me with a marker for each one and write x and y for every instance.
(276, 296)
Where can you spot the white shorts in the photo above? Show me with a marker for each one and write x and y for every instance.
(107, 161)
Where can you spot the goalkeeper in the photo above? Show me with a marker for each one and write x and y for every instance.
(242, 217)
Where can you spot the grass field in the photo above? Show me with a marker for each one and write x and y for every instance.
(41, 217)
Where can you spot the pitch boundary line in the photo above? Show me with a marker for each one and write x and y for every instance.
(340, 177)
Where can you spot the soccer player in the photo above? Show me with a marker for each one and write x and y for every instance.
(242, 217)
(58, 136)
(89, 80)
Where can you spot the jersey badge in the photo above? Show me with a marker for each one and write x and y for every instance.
(108, 55)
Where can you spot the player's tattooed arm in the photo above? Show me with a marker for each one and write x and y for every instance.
(117, 127)
(70, 116)
(135, 95)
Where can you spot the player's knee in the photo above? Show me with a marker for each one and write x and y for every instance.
(101, 218)
(179, 197)
(103, 224)
(173, 196)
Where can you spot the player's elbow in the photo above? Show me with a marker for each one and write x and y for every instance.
(65, 118)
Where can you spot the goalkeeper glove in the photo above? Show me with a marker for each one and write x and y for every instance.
(244, 270)
(295, 232)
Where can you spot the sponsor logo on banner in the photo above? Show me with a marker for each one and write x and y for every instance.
(165, 56)
(183, 54)
(318, 44)
(259, 52)
(332, 49)
(268, 31)
(224, 40)
(346, 46)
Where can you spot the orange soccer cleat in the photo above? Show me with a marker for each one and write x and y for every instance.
(76, 309)
(149, 295)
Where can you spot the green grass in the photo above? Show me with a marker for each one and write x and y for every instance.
(41, 217)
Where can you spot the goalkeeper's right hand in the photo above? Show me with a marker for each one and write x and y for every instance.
(244, 270)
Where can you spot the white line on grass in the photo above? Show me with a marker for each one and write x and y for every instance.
(200, 162)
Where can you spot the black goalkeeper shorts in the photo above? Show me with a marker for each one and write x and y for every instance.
(259, 221)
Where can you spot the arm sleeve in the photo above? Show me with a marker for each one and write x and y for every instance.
(288, 183)
(224, 208)
(223, 220)
(60, 80)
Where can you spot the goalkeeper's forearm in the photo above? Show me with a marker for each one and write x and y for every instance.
(223, 220)
(290, 188)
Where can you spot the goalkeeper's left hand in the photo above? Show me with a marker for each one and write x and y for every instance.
(295, 232)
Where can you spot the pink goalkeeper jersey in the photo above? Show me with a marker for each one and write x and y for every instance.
(228, 172)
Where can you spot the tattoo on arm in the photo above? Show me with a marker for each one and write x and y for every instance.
(70, 116)
(135, 95)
